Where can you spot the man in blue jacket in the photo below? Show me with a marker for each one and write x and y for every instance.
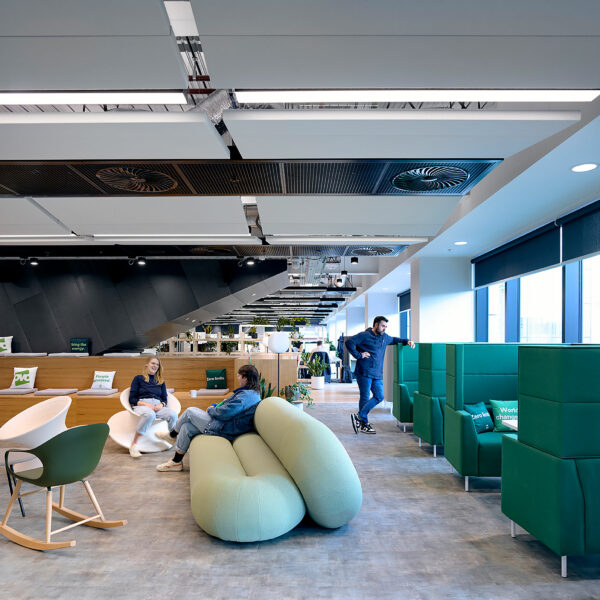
(369, 348)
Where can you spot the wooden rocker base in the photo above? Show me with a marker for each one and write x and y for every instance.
(75, 516)
(24, 540)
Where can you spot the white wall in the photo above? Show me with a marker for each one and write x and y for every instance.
(442, 300)
(355, 319)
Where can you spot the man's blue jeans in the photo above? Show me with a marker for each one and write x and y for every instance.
(366, 385)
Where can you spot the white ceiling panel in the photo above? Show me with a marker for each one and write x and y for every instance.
(18, 216)
(91, 63)
(110, 135)
(391, 134)
(181, 18)
(390, 17)
(354, 215)
(83, 17)
(422, 62)
(189, 215)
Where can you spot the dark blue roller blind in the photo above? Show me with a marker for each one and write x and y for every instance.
(404, 301)
(536, 250)
(581, 232)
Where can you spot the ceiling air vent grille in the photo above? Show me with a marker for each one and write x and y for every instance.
(133, 179)
(371, 251)
(429, 179)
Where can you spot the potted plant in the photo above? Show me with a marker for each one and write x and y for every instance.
(230, 331)
(208, 329)
(207, 347)
(229, 347)
(316, 368)
(282, 322)
(266, 389)
(297, 394)
(252, 332)
(295, 322)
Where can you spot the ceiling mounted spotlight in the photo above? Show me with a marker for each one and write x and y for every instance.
(141, 261)
(354, 260)
(344, 273)
(339, 282)
(250, 262)
(34, 262)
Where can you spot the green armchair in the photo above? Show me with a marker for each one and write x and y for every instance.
(551, 473)
(406, 380)
(476, 373)
(429, 401)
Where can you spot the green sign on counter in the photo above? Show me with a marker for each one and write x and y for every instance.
(80, 345)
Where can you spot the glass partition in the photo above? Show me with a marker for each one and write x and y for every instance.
(541, 307)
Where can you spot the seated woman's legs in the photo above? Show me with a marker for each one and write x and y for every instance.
(147, 417)
(191, 423)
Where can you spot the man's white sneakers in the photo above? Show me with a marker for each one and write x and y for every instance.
(134, 452)
(170, 465)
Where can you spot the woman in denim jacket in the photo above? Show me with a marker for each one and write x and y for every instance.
(228, 419)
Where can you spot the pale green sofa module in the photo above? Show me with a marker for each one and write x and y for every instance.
(259, 487)
(476, 373)
(429, 401)
(551, 473)
(406, 382)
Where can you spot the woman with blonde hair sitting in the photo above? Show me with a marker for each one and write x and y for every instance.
(148, 398)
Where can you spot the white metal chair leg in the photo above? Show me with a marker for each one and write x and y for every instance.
(404, 427)
(467, 483)
(513, 529)
(563, 566)
(434, 451)
(419, 442)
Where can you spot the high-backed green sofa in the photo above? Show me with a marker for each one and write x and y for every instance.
(551, 473)
(259, 487)
(406, 381)
(476, 373)
(429, 401)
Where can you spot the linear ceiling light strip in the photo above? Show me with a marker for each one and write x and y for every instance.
(337, 96)
(55, 98)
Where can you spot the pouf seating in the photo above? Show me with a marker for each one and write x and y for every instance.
(259, 487)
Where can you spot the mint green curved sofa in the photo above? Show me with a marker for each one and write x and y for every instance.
(260, 486)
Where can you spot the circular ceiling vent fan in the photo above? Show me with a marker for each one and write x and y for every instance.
(136, 180)
(371, 251)
(429, 179)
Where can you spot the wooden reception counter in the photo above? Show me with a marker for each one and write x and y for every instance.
(181, 373)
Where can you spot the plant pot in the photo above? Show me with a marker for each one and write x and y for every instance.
(298, 404)
(317, 383)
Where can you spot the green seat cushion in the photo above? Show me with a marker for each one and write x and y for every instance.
(240, 492)
(503, 410)
(216, 379)
(315, 458)
(490, 453)
(481, 417)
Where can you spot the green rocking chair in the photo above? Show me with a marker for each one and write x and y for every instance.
(66, 458)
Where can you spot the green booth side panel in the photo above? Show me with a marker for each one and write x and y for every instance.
(428, 418)
(542, 494)
(402, 404)
(460, 447)
(432, 369)
(589, 475)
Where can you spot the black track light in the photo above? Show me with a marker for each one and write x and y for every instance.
(354, 260)
(344, 273)
(141, 261)
(34, 262)
(250, 262)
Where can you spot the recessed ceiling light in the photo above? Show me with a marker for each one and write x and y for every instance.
(33, 98)
(340, 96)
(460, 243)
(582, 168)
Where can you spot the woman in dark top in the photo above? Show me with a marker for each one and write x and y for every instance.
(148, 398)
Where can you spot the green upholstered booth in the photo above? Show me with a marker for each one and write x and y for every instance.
(406, 380)
(429, 400)
(476, 373)
(260, 487)
(551, 473)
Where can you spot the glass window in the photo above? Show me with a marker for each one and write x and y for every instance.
(496, 312)
(393, 326)
(590, 300)
(541, 307)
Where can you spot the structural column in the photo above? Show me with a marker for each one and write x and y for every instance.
(442, 300)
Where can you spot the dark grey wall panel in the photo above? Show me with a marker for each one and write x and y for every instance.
(116, 305)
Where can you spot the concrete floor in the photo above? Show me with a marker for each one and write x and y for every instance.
(418, 536)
